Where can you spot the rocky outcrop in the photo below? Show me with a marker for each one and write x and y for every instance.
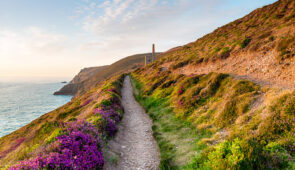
(90, 77)
(68, 89)
(72, 87)
(124, 65)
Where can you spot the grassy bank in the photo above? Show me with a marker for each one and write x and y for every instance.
(214, 121)
(178, 140)
(70, 137)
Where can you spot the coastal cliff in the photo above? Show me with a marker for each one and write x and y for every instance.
(225, 101)
(89, 78)
(72, 87)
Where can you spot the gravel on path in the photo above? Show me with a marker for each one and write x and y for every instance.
(133, 147)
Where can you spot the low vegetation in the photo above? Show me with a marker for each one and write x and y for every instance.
(124, 65)
(71, 140)
(210, 122)
(286, 47)
(260, 31)
(168, 129)
(225, 122)
(201, 121)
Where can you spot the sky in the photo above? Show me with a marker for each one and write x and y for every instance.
(54, 39)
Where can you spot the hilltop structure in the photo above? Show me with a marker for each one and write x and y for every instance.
(150, 59)
(229, 93)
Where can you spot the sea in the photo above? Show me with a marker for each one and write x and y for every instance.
(21, 103)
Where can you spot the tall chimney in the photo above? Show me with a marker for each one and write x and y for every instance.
(153, 54)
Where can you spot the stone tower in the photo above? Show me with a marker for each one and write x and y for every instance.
(153, 53)
(149, 59)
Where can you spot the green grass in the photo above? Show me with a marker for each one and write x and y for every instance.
(245, 43)
(284, 47)
(33, 139)
(207, 122)
(178, 140)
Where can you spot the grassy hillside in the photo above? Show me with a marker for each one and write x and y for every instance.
(122, 66)
(259, 46)
(226, 101)
(43, 140)
(88, 78)
(93, 91)
(215, 121)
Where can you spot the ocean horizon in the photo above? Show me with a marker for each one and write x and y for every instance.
(23, 102)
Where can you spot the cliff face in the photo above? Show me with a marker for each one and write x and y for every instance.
(92, 86)
(202, 120)
(89, 77)
(72, 87)
(86, 73)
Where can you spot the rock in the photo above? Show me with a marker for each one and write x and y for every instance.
(84, 74)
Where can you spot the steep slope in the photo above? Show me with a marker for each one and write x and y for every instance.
(88, 78)
(226, 100)
(72, 87)
(124, 65)
(97, 87)
(259, 46)
(201, 119)
(58, 137)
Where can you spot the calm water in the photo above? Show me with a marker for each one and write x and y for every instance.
(20, 103)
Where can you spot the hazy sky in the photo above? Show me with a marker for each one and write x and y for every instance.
(56, 38)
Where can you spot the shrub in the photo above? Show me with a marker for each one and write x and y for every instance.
(243, 87)
(106, 117)
(281, 119)
(77, 144)
(277, 155)
(214, 83)
(245, 43)
(226, 155)
(77, 103)
(79, 147)
(57, 132)
(108, 121)
(46, 128)
(242, 154)
(225, 53)
(283, 46)
(180, 64)
(229, 114)
(186, 84)
(64, 114)
(106, 102)
(168, 84)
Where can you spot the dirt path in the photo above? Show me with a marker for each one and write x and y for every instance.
(133, 147)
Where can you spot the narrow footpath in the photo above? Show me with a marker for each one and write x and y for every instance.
(133, 147)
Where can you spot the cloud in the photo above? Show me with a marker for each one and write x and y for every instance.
(41, 52)
(106, 31)
(29, 41)
(35, 51)
(124, 27)
(120, 26)
(133, 13)
(45, 42)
